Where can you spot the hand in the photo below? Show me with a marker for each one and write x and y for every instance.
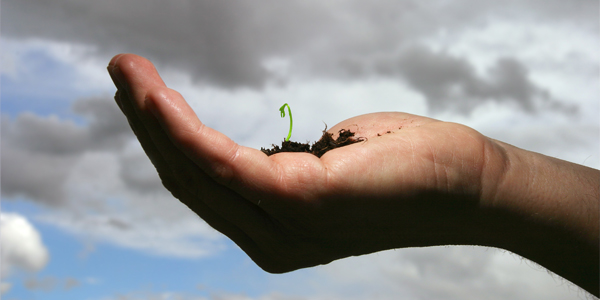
(294, 210)
(424, 183)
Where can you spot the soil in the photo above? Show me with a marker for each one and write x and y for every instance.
(320, 147)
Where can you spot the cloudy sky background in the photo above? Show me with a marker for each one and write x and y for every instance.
(84, 215)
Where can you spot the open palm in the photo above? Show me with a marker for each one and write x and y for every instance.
(294, 210)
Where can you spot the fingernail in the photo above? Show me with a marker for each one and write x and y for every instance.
(115, 73)
(113, 61)
(117, 77)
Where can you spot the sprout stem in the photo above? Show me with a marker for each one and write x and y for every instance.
(282, 110)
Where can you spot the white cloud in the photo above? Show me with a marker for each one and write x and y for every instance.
(453, 272)
(21, 245)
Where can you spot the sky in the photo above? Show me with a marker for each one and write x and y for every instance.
(84, 215)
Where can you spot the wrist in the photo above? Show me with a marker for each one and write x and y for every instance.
(546, 210)
(543, 190)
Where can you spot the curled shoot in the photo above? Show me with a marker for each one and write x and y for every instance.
(282, 111)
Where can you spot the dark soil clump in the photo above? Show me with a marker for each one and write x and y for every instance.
(324, 144)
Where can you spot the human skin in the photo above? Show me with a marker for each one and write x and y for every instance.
(425, 183)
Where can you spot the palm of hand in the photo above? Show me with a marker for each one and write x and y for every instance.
(294, 210)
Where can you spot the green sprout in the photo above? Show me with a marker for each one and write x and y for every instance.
(282, 110)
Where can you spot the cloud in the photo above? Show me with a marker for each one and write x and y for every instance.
(22, 247)
(228, 43)
(38, 152)
(451, 83)
(50, 283)
(97, 183)
(233, 45)
(453, 272)
(219, 42)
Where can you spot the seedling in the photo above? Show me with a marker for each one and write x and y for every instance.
(326, 143)
(282, 111)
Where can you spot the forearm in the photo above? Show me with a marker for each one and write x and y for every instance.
(546, 210)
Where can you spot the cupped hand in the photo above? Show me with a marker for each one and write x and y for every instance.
(413, 181)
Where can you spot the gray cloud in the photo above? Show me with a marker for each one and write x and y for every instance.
(39, 152)
(50, 283)
(36, 176)
(107, 128)
(138, 173)
(46, 135)
(221, 43)
(451, 83)
(226, 43)
(97, 182)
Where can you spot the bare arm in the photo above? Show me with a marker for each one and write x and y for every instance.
(547, 211)
(425, 183)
